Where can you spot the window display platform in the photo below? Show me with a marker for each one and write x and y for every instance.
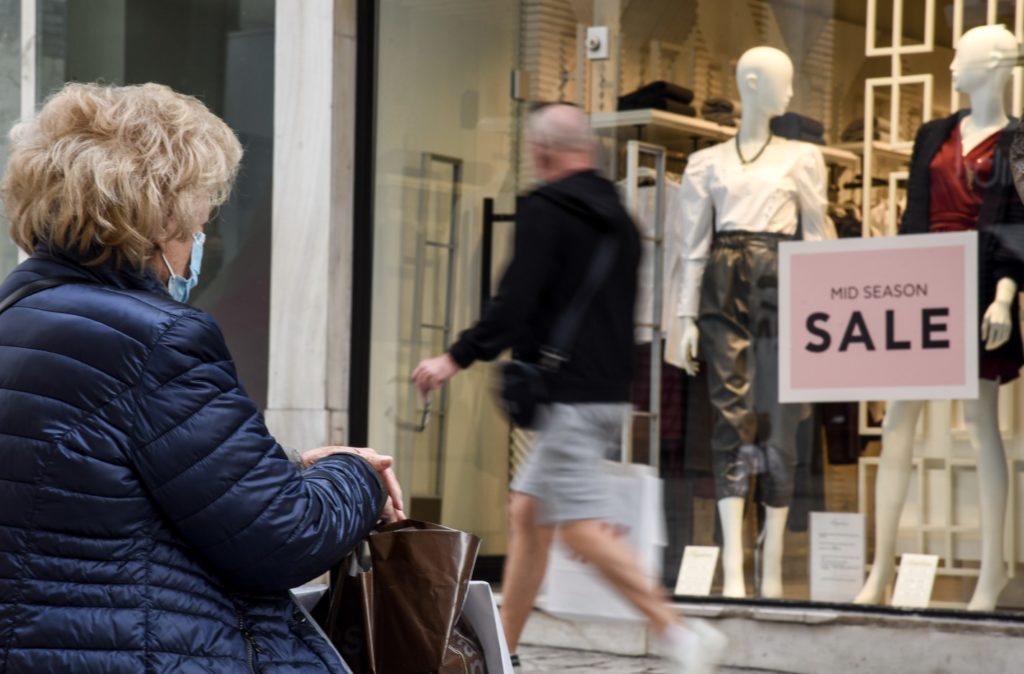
(801, 640)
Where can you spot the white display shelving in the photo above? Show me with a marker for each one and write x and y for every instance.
(679, 132)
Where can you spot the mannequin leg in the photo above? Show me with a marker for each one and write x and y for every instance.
(891, 493)
(727, 347)
(982, 417)
(771, 555)
(776, 484)
(731, 512)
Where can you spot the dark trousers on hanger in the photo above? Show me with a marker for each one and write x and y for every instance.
(739, 314)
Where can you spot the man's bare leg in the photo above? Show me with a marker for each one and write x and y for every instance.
(527, 560)
(596, 543)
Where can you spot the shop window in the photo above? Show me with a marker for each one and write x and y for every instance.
(864, 82)
(222, 52)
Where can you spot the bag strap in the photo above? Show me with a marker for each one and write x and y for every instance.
(30, 289)
(556, 352)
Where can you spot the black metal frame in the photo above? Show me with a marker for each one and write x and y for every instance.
(362, 228)
(487, 258)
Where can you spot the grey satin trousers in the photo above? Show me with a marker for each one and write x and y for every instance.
(739, 338)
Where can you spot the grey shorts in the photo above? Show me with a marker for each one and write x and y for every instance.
(563, 470)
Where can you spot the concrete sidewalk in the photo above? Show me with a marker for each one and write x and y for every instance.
(538, 660)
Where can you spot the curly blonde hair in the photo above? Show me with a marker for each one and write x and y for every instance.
(116, 171)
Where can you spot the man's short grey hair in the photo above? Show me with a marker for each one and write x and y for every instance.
(560, 126)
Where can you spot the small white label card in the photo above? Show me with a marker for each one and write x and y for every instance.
(915, 580)
(837, 556)
(697, 571)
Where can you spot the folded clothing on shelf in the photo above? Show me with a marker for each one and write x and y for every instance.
(854, 133)
(720, 118)
(668, 105)
(662, 96)
(795, 126)
(663, 89)
(717, 105)
(721, 111)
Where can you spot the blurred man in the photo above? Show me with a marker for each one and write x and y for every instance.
(558, 230)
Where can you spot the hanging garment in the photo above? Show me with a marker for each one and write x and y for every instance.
(646, 216)
(999, 221)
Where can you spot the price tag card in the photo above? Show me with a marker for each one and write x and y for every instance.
(837, 556)
(697, 571)
(915, 581)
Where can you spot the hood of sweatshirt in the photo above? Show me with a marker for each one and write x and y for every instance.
(590, 195)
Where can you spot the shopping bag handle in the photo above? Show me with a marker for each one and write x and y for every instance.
(410, 524)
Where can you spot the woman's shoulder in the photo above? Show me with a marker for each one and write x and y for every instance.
(103, 312)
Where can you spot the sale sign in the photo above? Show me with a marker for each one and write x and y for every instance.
(893, 318)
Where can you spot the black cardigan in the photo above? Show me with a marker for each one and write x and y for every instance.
(1000, 222)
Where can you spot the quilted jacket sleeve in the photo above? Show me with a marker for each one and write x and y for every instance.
(221, 479)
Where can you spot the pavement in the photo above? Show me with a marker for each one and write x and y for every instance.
(557, 661)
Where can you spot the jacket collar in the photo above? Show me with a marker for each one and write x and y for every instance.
(943, 128)
(49, 261)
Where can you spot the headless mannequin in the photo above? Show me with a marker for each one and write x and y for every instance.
(765, 78)
(981, 71)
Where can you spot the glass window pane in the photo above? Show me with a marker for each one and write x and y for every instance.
(10, 106)
(222, 52)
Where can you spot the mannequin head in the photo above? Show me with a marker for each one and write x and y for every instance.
(561, 141)
(764, 76)
(984, 60)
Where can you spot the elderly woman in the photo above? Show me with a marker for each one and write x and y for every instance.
(148, 520)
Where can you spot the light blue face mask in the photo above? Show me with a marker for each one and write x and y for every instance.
(178, 286)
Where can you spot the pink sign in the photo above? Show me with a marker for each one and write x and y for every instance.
(893, 318)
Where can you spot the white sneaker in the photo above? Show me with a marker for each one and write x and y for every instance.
(697, 647)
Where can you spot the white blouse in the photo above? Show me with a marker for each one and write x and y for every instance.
(785, 187)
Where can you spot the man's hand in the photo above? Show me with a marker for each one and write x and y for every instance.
(394, 510)
(432, 373)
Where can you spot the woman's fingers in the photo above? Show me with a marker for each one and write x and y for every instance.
(394, 488)
(381, 463)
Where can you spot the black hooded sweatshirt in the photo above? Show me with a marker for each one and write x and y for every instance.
(558, 228)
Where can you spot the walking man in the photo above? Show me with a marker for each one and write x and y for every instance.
(559, 228)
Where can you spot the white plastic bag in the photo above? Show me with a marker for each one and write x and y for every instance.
(575, 589)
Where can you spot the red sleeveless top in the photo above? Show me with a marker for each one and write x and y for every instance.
(958, 183)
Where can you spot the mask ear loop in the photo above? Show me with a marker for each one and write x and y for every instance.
(169, 268)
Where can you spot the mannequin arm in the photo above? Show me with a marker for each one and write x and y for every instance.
(812, 189)
(997, 325)
(691, 345)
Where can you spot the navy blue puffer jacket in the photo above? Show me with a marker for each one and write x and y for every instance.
(148, 520)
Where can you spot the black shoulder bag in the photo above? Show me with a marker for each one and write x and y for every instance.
(524, 386)
(30, 289)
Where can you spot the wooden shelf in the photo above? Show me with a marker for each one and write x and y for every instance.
(880, 149)
(679, 132)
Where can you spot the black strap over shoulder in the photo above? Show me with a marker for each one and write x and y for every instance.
(30, 289)
(564, 332)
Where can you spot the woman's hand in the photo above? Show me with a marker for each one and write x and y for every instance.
(394, 509)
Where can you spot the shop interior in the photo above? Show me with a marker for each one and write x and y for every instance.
(447, 180)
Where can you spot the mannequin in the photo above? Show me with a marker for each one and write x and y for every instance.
(981, 69)
(740, 199)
